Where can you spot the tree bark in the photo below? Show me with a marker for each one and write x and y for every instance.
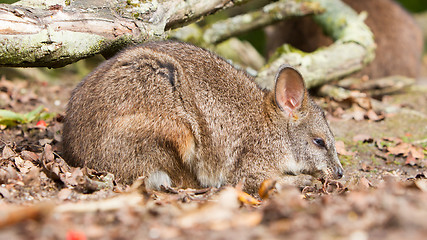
(36, 34)
(268, 15)
(354, 47)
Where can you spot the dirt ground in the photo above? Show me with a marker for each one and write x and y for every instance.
(382, 195)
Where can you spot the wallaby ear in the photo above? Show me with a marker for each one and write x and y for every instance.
(289, 89)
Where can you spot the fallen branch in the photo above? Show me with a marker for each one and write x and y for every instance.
(269, 14)
(353, 48)
(378, 87)
(42, 33)
(11, 215)
(131, 200)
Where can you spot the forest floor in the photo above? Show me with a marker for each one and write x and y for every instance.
(382, 196)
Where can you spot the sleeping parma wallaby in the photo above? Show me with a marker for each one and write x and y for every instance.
(182, 116)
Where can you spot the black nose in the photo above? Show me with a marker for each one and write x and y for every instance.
(340, 173)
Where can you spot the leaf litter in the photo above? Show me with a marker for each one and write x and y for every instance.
(41, 197)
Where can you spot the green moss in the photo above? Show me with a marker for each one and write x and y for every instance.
(286, 49)
(347, 161)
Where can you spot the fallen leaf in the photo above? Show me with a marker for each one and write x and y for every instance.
(421, 184)
(332, 186)
(4, 193)
(30, 156)
(64, 194)
(7, 153)
(401, 148)
(372, 115)
(267, 187)
(362, 138)
(410, 160)
(340, 146)
(364, 182)
(417, 152)
(23, 165)
(246, 198)
(363, 102)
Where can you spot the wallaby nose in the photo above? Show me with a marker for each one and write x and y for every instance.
(339, 172)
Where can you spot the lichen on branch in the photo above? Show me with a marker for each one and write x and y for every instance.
(354, 47)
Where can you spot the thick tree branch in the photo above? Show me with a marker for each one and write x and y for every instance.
(353, 48)
(192, 10)
(269, 14)
(35, 33)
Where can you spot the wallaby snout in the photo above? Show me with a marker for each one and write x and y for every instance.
(339, 172)
(334, 173)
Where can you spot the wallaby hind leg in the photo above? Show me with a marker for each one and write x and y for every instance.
(161, 149)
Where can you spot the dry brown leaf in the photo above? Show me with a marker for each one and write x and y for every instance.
(4, 193)
(417, 152)
(332, 186)
(401, 148)
(364, 183)
(362, 138)
(340, 146)
(7, 153)
(421, 184)
(8, 173)
(363, 102)
(246, 198)
(372, 115)
(23, 165)
(30, 156)
(64, 194)
(267, 188)
(410, 160)
(405, 149)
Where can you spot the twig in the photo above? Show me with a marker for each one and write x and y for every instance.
(13, 215)
(122, 200)
(421, 141)
(269, 14)
(392, 109)
(378, 87)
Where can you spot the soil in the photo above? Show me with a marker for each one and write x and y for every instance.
(382, 195)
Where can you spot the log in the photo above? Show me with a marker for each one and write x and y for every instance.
(269, 14)
(35, 33)
(353, 48)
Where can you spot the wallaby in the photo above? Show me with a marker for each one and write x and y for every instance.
(182, 116)
(399, 39)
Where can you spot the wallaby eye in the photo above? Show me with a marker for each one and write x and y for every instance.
(319, 142)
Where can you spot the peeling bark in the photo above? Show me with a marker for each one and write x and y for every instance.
(54, 34)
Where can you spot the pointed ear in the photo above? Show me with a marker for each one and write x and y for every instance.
(289, 89)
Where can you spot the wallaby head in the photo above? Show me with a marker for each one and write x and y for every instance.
(311, 140)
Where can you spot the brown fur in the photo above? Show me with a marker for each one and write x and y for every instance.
(169, 108)
(399, 40)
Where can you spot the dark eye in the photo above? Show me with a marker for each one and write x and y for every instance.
(319, 142)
